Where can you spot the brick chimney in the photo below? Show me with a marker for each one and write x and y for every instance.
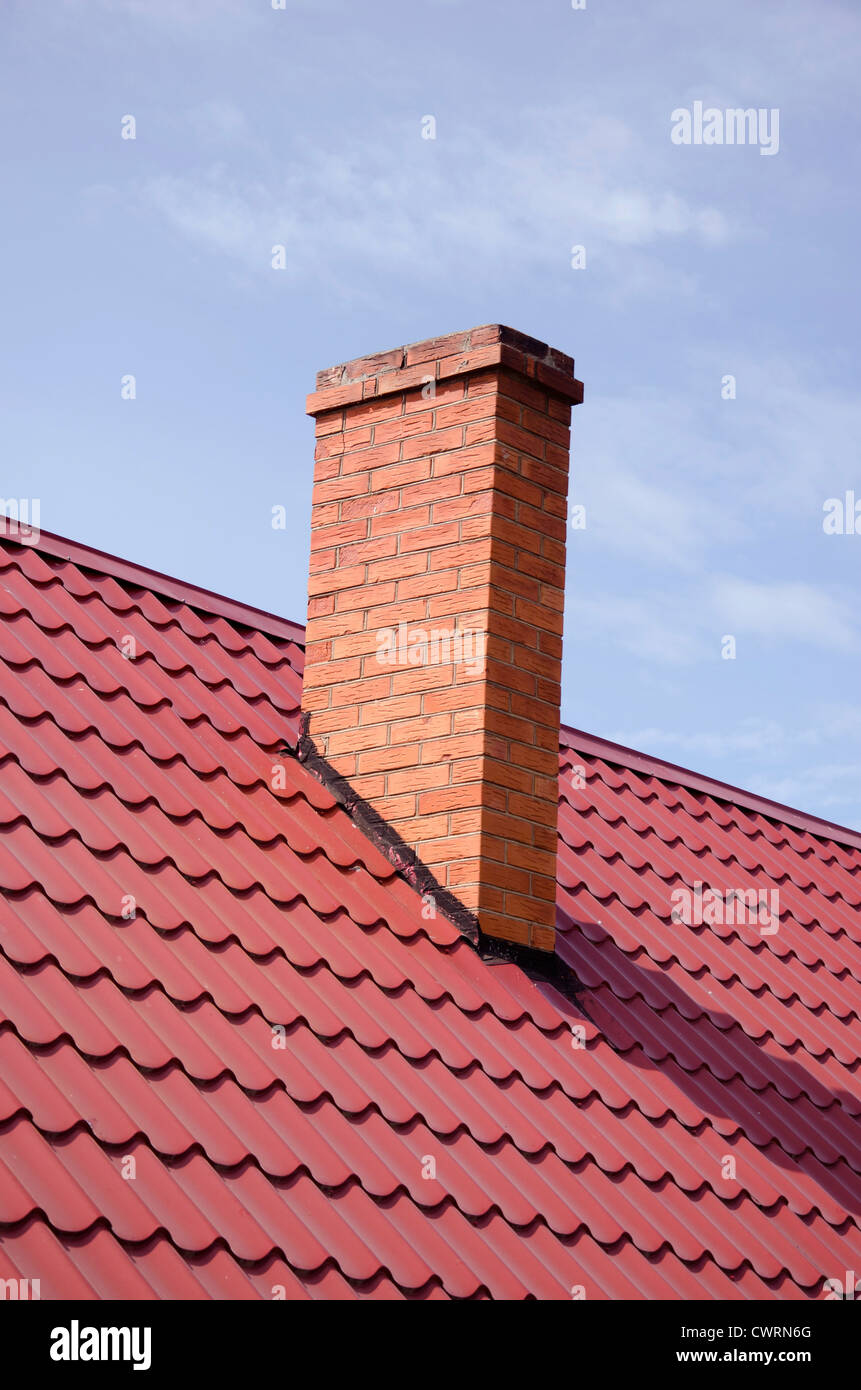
(434, 640)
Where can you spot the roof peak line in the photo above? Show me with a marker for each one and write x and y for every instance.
(166, 586)
(650, 765)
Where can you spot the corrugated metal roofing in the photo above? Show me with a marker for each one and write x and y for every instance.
(277, 1043)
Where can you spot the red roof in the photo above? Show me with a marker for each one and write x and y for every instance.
(307, 1165)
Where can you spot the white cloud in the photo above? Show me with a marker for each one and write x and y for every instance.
(469, 202)
(651, 626)
(754, 735)
(793, 612)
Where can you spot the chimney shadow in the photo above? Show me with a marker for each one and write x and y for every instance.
(786, 1079)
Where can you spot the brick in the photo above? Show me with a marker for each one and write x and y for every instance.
(398, 567)
(325, 536)
(533, 909)
(354, 486)
(461, 460)
(333, 580)
(355, 739)
(544, 887)
(512, 485)
(433, 491)
(445, 558)
(554, 479)
(321, 605)
(420, 828)
(514, 582)
(370, 785)
(423, 585)
(537, 422)
(467, 721)
(473, 794)
(453, 746)
(507, 876)
(474, 504)
(375, 506)
(465, 822)
(391, 708)
(318, 651)
(552, 597)
(334, 625)
(328, 720)
(542, 522)
(464, 871)
(403, 427)
(421, 678)
(370, 460)
(313, 700)
(363, 691)
(383, 479)
(385, 758)
(361, 595)
(373, 412)
(445, 391)
(329, 422)
(463, 412)
(335, 672)
(479, 572)
(411, 611)
(452, 698)
(430, 538)
(480, 431)
(469, 607)
(532, 808)
(544, 938)
(420, 730)
(363, 551)
(528, 857)
(538, 615)
(509, 677)
(505, 774)
(507, 929)
(322, 561)
(358, 644)
(419, 778)
(556, 505)
(396, 809)
(548, 571)
(326, 466)
(516, 389)
(396, 523)
(435, 442)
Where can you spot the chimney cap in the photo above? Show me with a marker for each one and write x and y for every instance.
(455, 354)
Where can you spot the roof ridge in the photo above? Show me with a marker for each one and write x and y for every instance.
(654, 766)
(127, 571)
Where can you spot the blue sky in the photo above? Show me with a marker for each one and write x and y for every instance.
(302, 127)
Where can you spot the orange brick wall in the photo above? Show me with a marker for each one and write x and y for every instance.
(439, 502)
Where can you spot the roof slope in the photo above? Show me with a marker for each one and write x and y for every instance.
(262, 917)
